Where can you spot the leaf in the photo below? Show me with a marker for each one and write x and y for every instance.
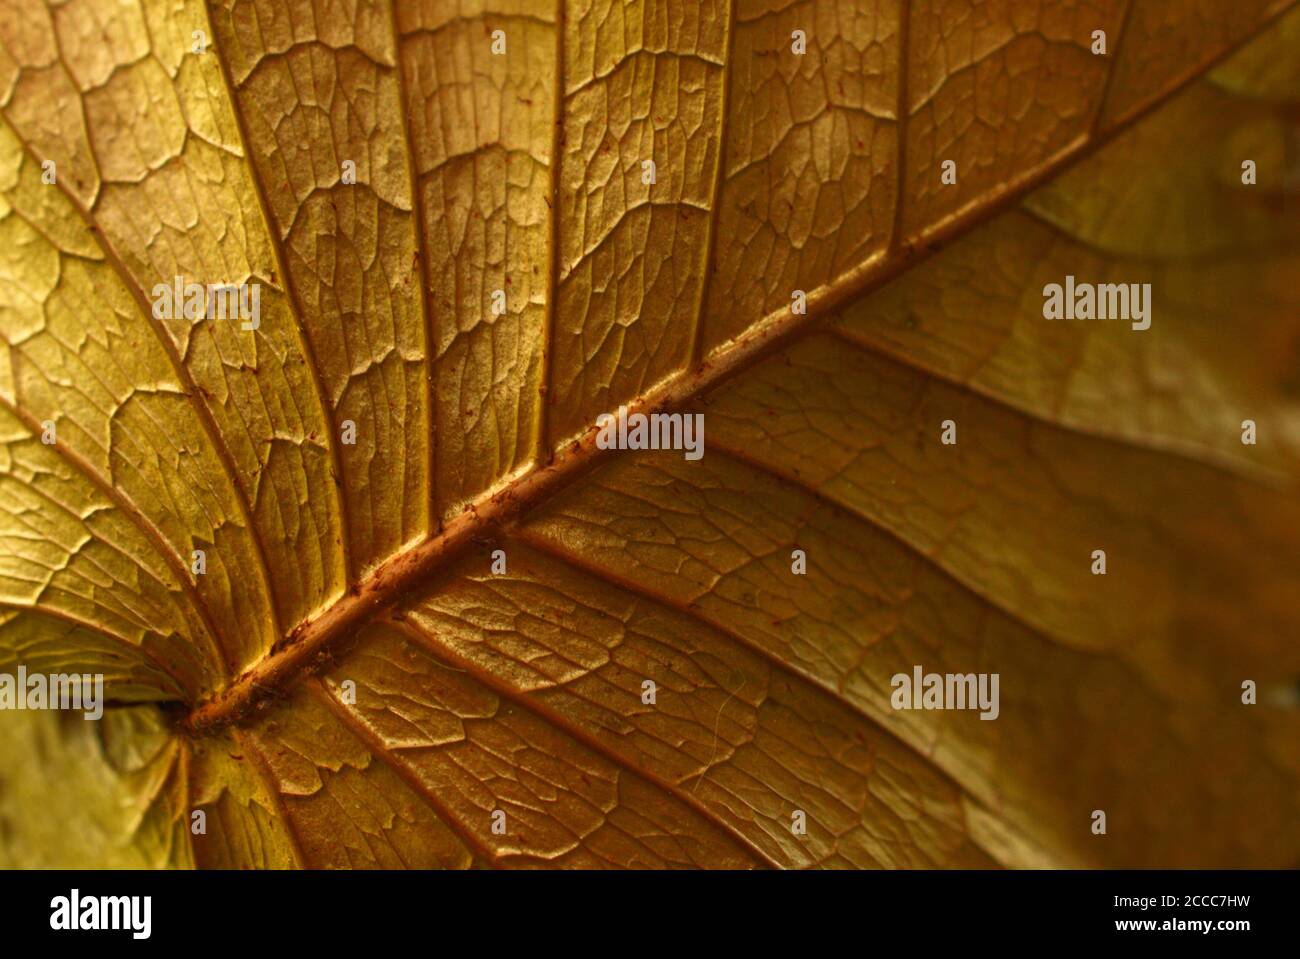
(350, 684)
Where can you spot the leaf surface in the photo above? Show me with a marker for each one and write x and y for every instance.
(349, 683)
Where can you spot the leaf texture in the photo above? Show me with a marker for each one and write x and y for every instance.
(462, 263)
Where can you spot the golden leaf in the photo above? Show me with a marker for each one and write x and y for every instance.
(366, 591)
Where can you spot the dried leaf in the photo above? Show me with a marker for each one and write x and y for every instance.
(464, 259)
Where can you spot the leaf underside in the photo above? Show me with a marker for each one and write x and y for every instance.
(349, 684)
